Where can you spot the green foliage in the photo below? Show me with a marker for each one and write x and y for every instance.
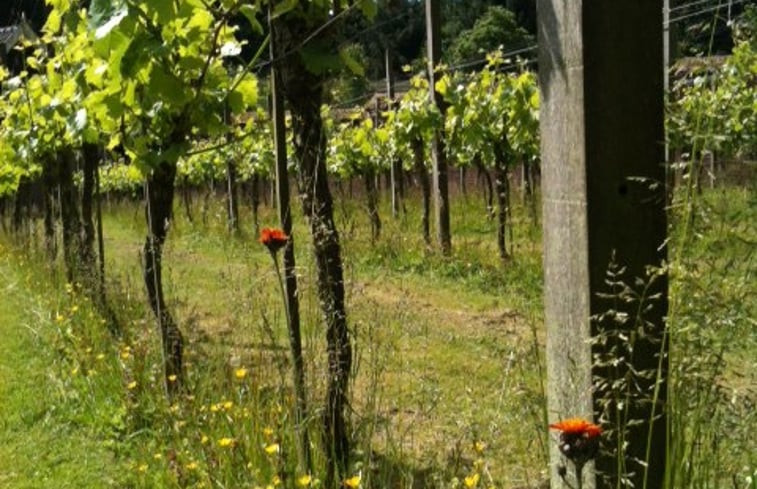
(144, 76)
(490, 112)
(496, 28)
(357, 146)
(717, 109)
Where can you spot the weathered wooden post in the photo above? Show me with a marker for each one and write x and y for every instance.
(441, 192)
(603, 199)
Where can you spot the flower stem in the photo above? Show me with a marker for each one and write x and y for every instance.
(579, 476)
(275, 257)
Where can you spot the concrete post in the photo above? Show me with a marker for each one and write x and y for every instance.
(603, 183)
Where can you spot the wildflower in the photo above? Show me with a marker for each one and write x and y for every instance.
(204, 440)
(132, 385)
(191, 466)
(172, 378)
(74, 308)
(59, 318)
(276, 480)
(226, 442)
(579, 439)
(100, 356)
(142, 468)
(272, 449)
(240, 373)
(268, 432)
(273, 238)
(353, 482)
(472, 480)
(479, 446)
(579, 442)
(305, 480)
(227, 405)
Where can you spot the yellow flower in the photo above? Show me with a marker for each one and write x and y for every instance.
(226, 442)
(472, 480)
(204, 439)
(276, 480)
(272, 449)
(191, 466)
(353, 482)
(74, 308)
(304, 481)
(240, 373)
(142, 468)
(131, 385)
(268, 432)
(228, 405)
(125, 354)
(479, 446)
(157, 456)
(172, 378)
(100, 356)
(59, 318)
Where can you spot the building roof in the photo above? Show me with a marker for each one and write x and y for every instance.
(10, 35)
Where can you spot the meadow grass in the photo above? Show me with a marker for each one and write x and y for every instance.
(448, 375)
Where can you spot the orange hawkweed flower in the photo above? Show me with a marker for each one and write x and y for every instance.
(579, 439)
(273, 238)
(577, 426)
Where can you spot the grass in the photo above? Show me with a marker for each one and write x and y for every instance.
(416, 346)
(45, 441)
(448, 370)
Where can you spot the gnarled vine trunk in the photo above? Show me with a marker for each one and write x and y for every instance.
(158, 212)
(232, 197)
(371, 195)
(304, 92)
(69, 213)
(88, 267)
(501, 184)
(423, 179)
(488, 186)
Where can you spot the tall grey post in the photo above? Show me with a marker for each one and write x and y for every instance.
(603, 184)
(438, 155)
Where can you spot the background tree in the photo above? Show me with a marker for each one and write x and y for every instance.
(496, 28)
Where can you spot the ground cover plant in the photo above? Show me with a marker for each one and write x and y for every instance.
(156, 332)
(447, 382)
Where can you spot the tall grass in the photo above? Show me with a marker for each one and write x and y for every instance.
(446, 388)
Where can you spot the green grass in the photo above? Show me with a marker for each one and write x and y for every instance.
(43, 441)
(448, 352)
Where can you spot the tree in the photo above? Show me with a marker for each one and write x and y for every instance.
(496, 28)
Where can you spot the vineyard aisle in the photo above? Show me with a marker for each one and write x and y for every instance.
(40, 446)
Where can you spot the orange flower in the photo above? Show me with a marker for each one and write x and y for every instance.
(577, 426)
(273, 238)
(579, 439)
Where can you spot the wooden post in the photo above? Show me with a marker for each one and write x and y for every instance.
(396, 164)
(603, 200)
(290, 275)
(441, 193)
